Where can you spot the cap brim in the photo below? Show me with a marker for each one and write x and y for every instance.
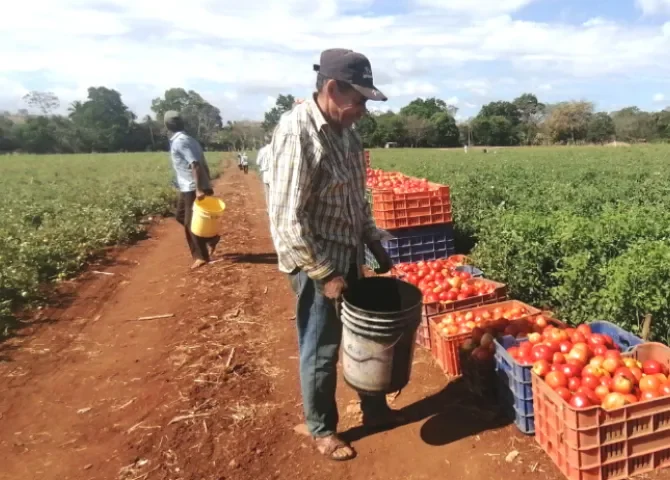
(371, 93)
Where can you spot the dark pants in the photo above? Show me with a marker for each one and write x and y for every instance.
(197, 245)
(245, 168)
(319, 338)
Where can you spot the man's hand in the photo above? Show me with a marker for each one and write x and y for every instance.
(382, 257)
(334, 287)
(199, 194)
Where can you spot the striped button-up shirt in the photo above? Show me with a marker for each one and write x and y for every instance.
(319, 216)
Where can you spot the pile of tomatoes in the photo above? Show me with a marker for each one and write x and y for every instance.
(494, 320)
(440, 282)
(587, 369)
(379, 179)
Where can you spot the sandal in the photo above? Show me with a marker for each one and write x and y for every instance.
(334, 448)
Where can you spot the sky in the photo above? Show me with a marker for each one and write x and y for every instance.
(239, 55)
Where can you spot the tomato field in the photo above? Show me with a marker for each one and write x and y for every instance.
(58, 210)
(582, 231)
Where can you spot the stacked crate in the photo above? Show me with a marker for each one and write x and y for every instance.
(418, 228)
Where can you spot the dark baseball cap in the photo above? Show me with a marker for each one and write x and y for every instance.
(350, 67)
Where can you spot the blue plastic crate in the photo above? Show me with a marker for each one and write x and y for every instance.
(409, 245)
(525, 423)
(521, 390)
(625, 340)
(504, 360)
(507, 398)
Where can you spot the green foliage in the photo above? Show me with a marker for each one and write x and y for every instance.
(584, 231)
(56, 211)
(283, 104)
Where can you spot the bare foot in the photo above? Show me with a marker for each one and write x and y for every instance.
(197, 264)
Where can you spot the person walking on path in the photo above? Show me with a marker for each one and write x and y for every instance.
(193, 182)
(263, 162)
(245, 163)
(320, 222)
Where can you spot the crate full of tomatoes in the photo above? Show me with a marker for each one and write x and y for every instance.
(451, 332)
(603, 414)
(446, 290)
(399, 201)
(515, 358)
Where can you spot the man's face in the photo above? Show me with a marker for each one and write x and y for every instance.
(349, 105)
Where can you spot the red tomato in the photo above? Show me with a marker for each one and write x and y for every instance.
(622, 384)
(541, 368)
(650, 384)
(650, 395)
(580, 400)
(574, 383)
(571, 371)
(556, 379)
(584, 330)
(558, 358)
(665, 389)
(564, 393)
(652, 367)
(625, 372)
(590, 381)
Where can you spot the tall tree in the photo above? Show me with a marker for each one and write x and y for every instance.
(633, 125)
(445, 131)
(45, 102)
(103, 120)
(427, 108)
(601, 128)
(202, 119)
(531, 112)
(568, 122)
(283, 104)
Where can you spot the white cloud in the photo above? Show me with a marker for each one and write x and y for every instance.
(244, 52)
(545, 87)
(452, 101)
(659, 97)
(477, 7)
(653, 7)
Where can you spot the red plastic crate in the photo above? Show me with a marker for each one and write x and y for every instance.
(430, 309)
(423, 334)
(446, 349)
(401, 210)
(595, 444)
(499, 294)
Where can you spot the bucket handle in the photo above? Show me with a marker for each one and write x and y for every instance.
(366, 359)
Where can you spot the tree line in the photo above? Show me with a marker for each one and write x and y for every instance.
(103, 123)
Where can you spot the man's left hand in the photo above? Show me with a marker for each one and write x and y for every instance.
(382, 257)
(199, 194)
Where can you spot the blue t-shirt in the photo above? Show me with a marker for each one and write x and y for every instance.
(184, 151)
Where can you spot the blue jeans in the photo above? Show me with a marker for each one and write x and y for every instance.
(319, 338)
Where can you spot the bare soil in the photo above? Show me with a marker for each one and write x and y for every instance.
(211, 392)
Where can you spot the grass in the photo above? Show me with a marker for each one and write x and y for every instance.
(57, 211)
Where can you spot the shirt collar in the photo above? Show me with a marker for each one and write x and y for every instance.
(315, 111)
(175, 135)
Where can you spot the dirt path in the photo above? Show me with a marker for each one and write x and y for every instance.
(90, 392)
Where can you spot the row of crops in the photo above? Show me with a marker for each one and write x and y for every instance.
(584, 231)
(56, 211)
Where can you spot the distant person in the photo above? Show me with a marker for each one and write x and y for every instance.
(263, 162)
(239, 160)
(193, 181)
(245, 163)
(465, 148)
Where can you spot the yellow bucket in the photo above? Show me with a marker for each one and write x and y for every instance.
(206, 214)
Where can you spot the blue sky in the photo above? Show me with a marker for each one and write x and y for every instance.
(241, 55)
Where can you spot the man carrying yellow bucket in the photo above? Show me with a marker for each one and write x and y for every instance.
(194, 183)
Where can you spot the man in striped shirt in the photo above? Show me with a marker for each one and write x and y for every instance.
(320, 221)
